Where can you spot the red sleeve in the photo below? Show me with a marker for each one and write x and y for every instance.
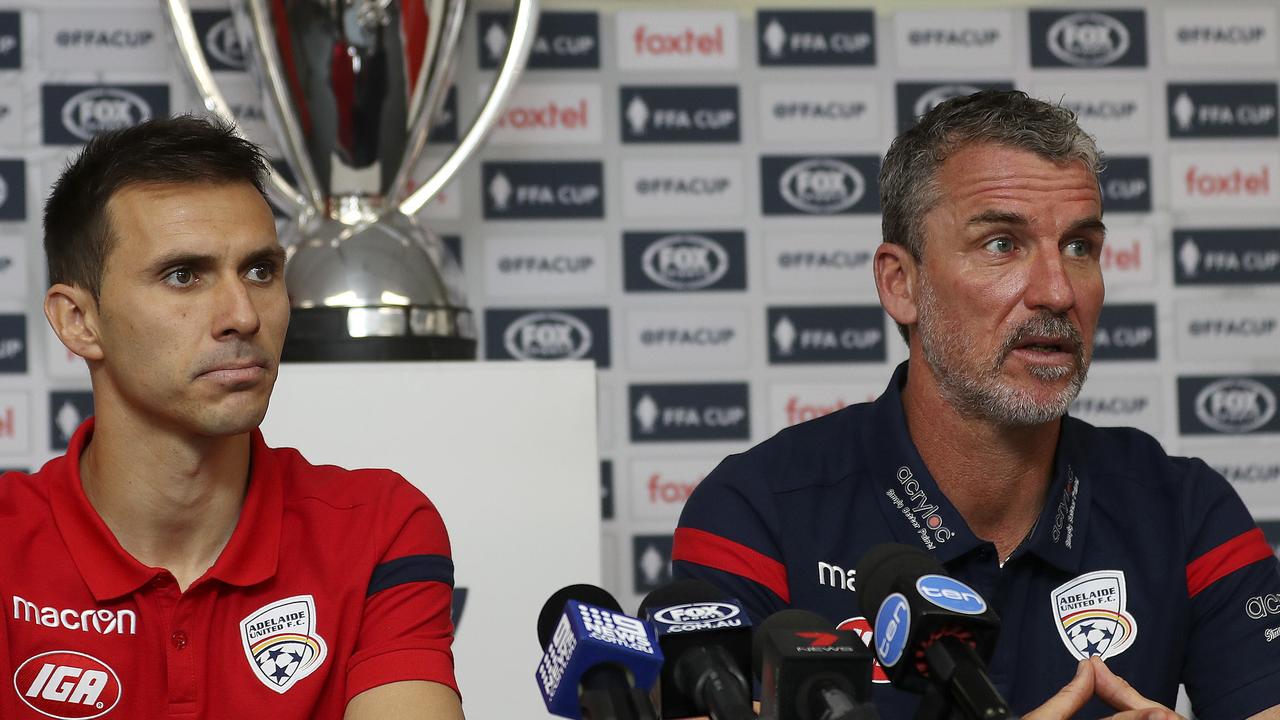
(406, 632)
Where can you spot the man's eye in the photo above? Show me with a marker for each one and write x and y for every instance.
(1076, 248)
(262, 272)
(181, 277)
(1000, 245)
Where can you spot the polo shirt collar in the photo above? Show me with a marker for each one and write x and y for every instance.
(914, 507)
(110, 572)
(1059, 534)
(902, 477)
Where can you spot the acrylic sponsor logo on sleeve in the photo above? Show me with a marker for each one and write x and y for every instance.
(67, 685)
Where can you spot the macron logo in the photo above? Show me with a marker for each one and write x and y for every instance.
(836, 576)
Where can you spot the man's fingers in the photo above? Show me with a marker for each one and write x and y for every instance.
(1119, 694)
(1068, 701)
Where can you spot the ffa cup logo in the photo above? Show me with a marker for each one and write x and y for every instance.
(1091, 616)
(281, 642)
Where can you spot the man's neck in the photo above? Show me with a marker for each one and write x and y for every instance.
(996, 476)
(172, 501)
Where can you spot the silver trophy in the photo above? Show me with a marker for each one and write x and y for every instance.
(351, 88)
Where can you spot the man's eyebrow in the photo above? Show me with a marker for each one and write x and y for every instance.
(1088, 224)
(198, 261)
(997, 217)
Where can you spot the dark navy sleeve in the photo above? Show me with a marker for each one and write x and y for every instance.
(728, 536)
(1233, 582)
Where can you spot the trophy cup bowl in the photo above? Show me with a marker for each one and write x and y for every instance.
(350, 88)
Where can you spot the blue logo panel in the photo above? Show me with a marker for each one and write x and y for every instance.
(893, 625)
(951, 594)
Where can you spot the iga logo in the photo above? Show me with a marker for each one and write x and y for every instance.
(1235, 405)
(67, 685)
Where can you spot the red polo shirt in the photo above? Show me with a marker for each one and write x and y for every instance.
(333, 582)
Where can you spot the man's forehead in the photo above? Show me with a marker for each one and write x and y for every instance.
(204, 218)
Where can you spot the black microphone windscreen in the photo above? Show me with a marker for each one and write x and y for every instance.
(790, 619)
(554, 606)
(679, 593)
(885, 563)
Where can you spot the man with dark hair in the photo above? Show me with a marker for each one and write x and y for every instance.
(1104, 557)
(171, 563)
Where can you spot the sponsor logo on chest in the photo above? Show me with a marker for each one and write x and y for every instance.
(67, 685)
(96, 620)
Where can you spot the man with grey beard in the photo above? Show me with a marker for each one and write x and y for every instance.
(1104, 557)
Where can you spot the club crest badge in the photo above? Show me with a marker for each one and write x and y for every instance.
(281, 642)
(1091, 616)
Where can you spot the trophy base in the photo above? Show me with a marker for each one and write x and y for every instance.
(340, 334)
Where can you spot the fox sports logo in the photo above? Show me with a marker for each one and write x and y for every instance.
(547, 336)
(99, 109)
(1088, 39)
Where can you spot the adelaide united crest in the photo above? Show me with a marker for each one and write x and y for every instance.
(1091, 617)
(281, 642)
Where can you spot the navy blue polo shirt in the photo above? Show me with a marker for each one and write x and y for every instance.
(1148, 560)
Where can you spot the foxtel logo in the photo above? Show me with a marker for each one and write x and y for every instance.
(1237, 182)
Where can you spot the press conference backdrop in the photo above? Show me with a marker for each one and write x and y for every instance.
(685, 194)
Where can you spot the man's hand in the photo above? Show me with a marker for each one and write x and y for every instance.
(1093, 677)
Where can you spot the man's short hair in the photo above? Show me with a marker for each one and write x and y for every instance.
(909, 175)
(179, 150)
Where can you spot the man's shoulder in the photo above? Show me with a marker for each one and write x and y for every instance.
(21, 493)
(821, 451)
(1133, 456)
(338, 486)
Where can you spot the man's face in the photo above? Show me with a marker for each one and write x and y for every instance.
(1010, 285)
(193, 310)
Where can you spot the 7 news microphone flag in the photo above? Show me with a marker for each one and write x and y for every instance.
(808, 670)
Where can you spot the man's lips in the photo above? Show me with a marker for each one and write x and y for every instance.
(239, 371)
(1046, 344)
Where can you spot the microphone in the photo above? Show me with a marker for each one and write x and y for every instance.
(598, 662)
(932, 633)
(706, 639)
(808, 670)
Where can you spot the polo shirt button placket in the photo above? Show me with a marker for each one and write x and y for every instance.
(179, 639)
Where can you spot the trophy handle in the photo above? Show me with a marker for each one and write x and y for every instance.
(277, 92)
(439, 58)
(284, 195)
(523, 29)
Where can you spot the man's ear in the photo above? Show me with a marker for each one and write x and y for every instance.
(73, 314)
(896, 276)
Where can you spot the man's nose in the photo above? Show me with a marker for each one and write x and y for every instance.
(236, 312)
(1048, 284)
